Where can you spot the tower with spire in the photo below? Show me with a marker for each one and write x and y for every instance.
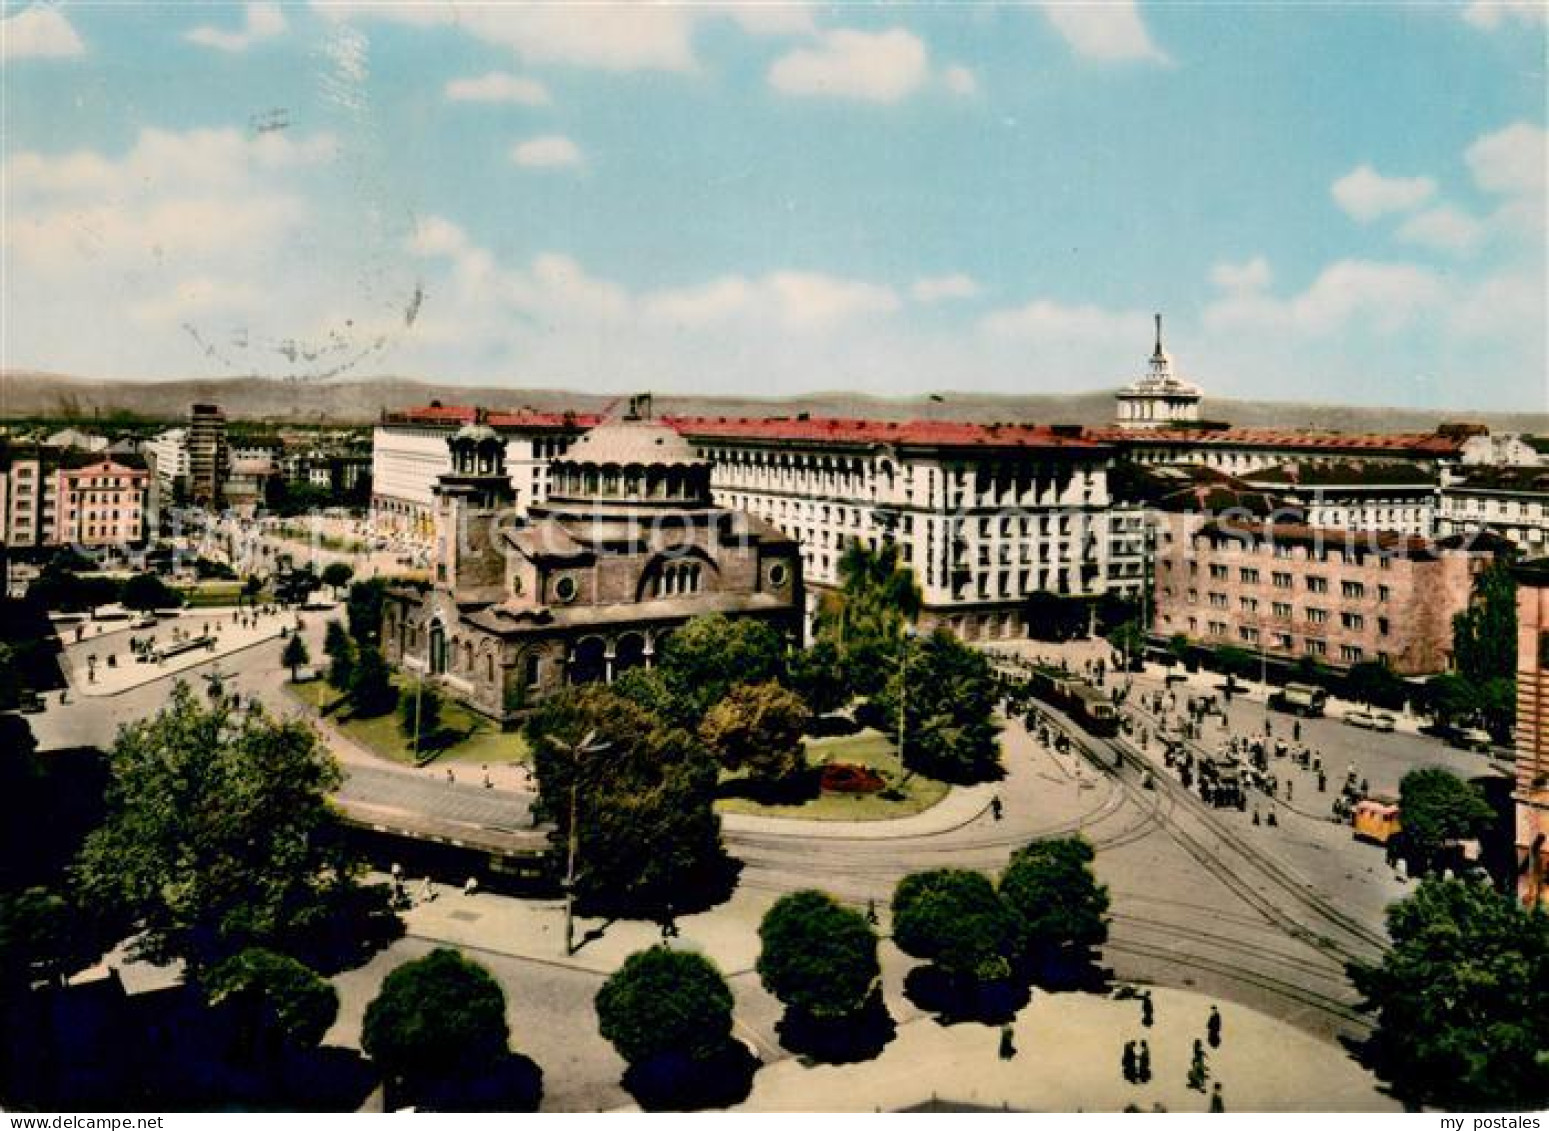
(1159, 399)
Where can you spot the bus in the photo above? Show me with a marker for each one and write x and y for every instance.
(1299, 699)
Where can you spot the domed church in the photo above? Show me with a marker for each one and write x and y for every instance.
(628, 546)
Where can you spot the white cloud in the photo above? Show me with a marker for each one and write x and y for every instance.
(39, 33)
(1510, 161)
(808, 299)
(1111, 32)
(551, 152)
(1365, 194)
(939, 287)
(497, 86)
(607, 36)
(1385, 297)
(1054, 322)
(885, 66)
(1247, 277)
(960, 81)
(1491, 14)
(261, 21)
(1443, 228)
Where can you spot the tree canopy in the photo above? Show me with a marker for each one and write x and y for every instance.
(758, 727)
(274, 1001)
(704, 659)
(649, 838)
(954, 918)
(294, 655)
(436, 1017)
(340, 650)
(363, 610)
(1059, 907)
(146, 592)
(666, 1002)
(1437, 807)
(336, 575)
(371, 688)
(949, 695)
(817, 955)
(865, 619)
(1462, 999)
(218, 831)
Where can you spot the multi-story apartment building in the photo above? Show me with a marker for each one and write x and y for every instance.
(1242, 451)
(985, 515)
(1510, 501)
(1532, 776)
(1291, 591)
(27, 499)
(102, 503)
(167, 454)
(1355, 495)
(208, 455)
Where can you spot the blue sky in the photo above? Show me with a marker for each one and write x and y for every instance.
(1338, 203)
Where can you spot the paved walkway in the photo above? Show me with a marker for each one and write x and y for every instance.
(1068, 1059)
(98, 679)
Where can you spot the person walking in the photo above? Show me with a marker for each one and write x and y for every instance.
(1213, 1028)
(1217, 1104)
(1127, 1063)
(1147, 1011)
(1198, 1072)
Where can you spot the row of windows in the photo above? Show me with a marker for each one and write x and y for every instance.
(1283, 641)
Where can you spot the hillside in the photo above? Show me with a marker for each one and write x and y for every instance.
(361, 401)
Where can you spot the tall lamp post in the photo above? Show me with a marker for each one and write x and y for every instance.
(588, 745)
(903, 690)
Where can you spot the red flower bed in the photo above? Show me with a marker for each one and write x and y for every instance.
(842, 777)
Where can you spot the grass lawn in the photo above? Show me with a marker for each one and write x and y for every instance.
(337, 543)
(867, 748)
(482, 741)
(211, 594)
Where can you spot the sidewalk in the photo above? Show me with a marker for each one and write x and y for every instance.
(128, 673)
(1068, 1059)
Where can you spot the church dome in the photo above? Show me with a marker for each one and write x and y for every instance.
(632, 462)
(632, 442)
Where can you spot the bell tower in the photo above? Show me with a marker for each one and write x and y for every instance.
(471, 499)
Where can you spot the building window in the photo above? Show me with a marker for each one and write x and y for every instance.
(1353, 590)
(1317, 648)
(1218, 601)
(1281, 609)
(1282, 580)
(1249, 635)
(1317, 584)
(1249, 576)
(1219, 573)
(1350, 654)
(1383, 593)
(1317, 616)
(1382, 626)
(1354, 621)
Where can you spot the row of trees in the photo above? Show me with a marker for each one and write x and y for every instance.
(63, 585)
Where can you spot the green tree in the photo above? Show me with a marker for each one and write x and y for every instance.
(955, 919)
(295, 654)
(437, 1018)
(648, 690)
(363, 610)
(1437, 807)
(1061, 911)
(340, 650)
(1484, 636)
(371, 691)
(275, 1003)
(758, 727)
(1462, 999)
(219, 834)
(705, 658)
(1129, 640)
(818, 956)
(252, 586)
(866, 618)
(647, 832)
(40, 939)
(949, 695)
(1235, 662)
(336, 575)
(146, 592)
(1374, 682)
(666, 1002)
(420, 713)
(817, 674)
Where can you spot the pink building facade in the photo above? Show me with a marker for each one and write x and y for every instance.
(1292, 591)
(101, 504)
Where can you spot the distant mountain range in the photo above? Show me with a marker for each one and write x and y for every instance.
(28, 394)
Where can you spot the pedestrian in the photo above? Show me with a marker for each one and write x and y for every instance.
(871, 912)
(471, 886)
(1296, 730)
(1198, 1072)
(996, 809)
(1213, 1028)
(1008, 1047)
(1288, 785)
(1217, 1105)
(1127, 1063)
(1143, 1062)
(1256, 815)
(1270, 820)
(427, 891)
(488, 784)
(451, 778)
(1147, 1011)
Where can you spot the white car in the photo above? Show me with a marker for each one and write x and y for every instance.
(145, 620)
(1363, 719)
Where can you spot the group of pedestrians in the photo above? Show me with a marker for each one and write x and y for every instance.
(1135, 1060)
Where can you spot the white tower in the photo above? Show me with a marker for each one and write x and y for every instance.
(1159, 399)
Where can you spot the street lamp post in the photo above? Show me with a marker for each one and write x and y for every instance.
(588, 745)
(903, 691)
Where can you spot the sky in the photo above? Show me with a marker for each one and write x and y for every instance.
(1338, 203)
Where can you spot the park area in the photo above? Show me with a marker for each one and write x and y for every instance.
(903, 795)
(460, 736)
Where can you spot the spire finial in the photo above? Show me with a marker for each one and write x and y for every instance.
(1158, 335)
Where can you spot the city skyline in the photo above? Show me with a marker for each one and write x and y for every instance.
(784, 198)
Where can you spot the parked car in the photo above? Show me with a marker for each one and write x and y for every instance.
(1470, 738)
(1363, 719)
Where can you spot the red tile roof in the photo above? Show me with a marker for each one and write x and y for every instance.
(842, 430)
(1395, 442)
